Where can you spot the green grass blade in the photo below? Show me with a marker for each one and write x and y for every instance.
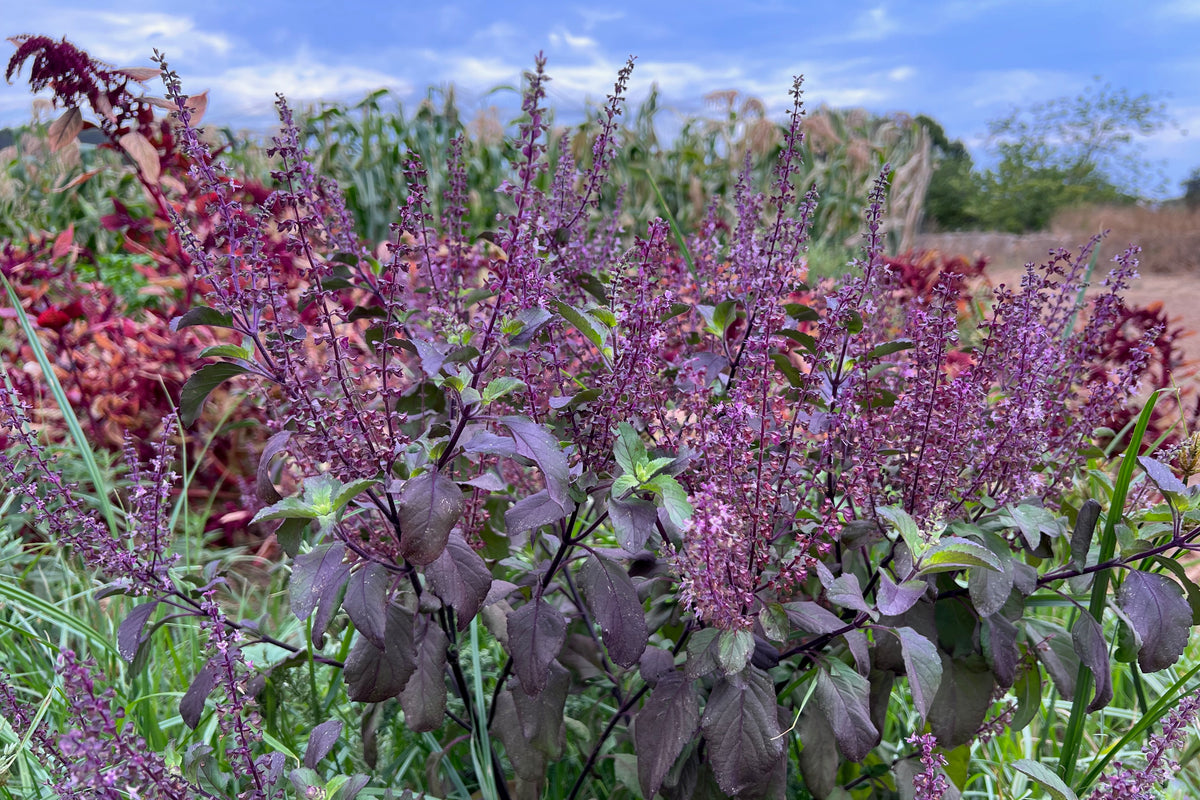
(481, 741)
(103, 490)
(679, 238)
(1073, 736)
(52, 613)
(1139, 730)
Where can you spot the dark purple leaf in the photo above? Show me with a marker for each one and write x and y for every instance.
(894, 599)
(424, 696)
(350, 789)
(1092, 649)
(812, 618)
(611, 596)
(882, 681)
(366, 601)
(536, 443)
(1189, 586)
(1028, 689)
(429, 505)
(860, 648)
(528, 762)
(530, 513)
(264, 487)
(702, 652)
(491, 444)
(655, 663)
(272, 765)
(461, 578)
(1025, 578)
(314, 574)
(542, 715)
(922, 665)
(1052, 644)
(317, 581)
(989, 588)
(1081, 534)
(374, 674)
(742, 730)
(129, 633)
(843, 695)
(962, 701)
(536, 632)
(191, 705)
(432, 356)
(819, 760)
(1159, 614)
(1162, 476)
(846, 591)
(633, 521)
(999, 641)
(321, 741)
(488, 482)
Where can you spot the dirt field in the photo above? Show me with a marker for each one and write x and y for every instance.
(1177, 289)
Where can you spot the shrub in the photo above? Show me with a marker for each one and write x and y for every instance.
(707, 515)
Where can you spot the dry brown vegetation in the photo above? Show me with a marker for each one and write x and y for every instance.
(1169, 238)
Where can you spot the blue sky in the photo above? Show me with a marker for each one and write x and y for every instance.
(961, 62)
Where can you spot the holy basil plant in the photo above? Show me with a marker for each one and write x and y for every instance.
(649, 516)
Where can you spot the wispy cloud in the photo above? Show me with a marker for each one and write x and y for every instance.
(1180, 8)
(250, 89)
(873, 25)
(126, 38)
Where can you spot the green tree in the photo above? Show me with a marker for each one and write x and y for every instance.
(1191, 189)
(1068, 151)
(953, 187)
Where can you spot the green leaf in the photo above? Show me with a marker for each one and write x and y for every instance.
(202, 315)
(200, 386)
(734, 649)
(906, 526)
(887, 348)
(801, 313)
(591, 328)
(952, 553)
(629, 449)
(623, 484)
(675, 499)
(1046, 778)
(351, 490)
(287, 508)
(227, 351)
(675, 310)
(774, 621)
(500, 387)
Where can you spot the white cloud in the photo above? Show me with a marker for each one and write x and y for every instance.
(873, 25)
(128, 38)
(564, 38)
(1015, 87)
(595, 16)
(250, 89)
(1180, 8)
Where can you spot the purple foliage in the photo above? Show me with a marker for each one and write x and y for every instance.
(479, 424)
